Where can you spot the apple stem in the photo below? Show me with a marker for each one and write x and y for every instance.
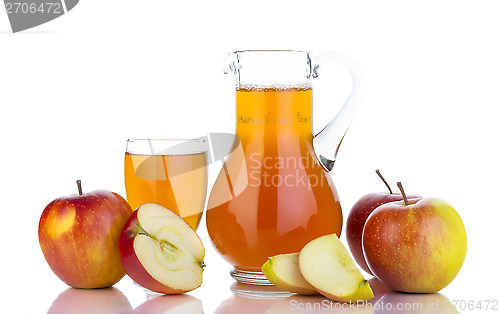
(79, 184)
(381, 177)
(400, 186)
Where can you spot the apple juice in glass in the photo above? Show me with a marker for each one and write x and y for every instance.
(172, 173)
(274, 193)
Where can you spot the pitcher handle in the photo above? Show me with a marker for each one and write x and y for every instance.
(327, 141)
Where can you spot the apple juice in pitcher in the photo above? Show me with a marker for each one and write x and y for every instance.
(274, 193)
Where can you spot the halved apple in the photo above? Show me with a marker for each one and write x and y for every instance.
(160, 251)
(283, 272)
(327, 266)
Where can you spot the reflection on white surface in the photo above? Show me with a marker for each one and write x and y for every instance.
(243, 305)
(76, 301)
(315, 304)
(385, 301)
(259, 292)
(171, 304)
(113, 301)
(246, 300)
(397, 302)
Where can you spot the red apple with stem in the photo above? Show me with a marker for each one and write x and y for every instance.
(359, 214)
(415, 246)
(79, 236)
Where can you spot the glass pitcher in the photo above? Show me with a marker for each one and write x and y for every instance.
(274, 193)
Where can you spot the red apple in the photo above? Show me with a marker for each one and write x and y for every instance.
(415, 245)
(160, 251)
(359, 214)
(79, 235)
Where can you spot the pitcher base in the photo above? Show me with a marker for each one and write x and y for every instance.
(250, 277)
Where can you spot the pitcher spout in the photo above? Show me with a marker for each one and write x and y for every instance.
(231, 64)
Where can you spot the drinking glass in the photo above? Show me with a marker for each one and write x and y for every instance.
(169, 172)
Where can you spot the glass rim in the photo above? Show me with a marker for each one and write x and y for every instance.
(166, 146)
(173, 139)
(271, 50)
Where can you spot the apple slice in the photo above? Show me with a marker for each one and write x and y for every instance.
(160, 251)
(327, 266)
(283, 272)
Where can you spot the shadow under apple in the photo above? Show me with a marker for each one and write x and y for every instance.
(400, 302)
(379, 289)
(255, 299)
(164, 304)
(90, 301)
(250, 299)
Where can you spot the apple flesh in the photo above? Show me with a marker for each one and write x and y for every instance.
(160, 251)
(327, 266)
(357, 219)
(283, 272)
(419, 247)
(79, 236)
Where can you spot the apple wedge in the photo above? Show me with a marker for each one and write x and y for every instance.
(327, 266)
(160, 251)
(283, 272)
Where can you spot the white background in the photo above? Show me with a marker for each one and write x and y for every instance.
(74, 89)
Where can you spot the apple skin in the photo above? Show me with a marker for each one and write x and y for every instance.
(417, 248)
(358, 216)
(131, 262)
(79, 236)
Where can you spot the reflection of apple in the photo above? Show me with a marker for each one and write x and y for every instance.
(283, 271)
(79, 236)
(163, 304)
(396, 302)
(73, 301)
(160, 251)
(320, 304)
(317, 304)
(359, 214)
(379, 289)
(328, 267)
(241, 305)
(415, 245)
